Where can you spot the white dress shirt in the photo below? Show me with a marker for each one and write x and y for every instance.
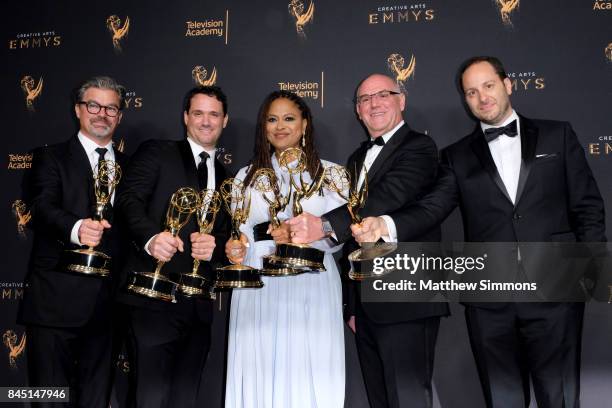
(373, 153)
(506, 153)
(90, 149)
(196, 149)
(371, 156)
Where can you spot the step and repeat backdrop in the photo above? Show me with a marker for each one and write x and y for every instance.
(558, 54)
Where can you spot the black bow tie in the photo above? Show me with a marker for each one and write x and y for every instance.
(508, 130)
(379, 141)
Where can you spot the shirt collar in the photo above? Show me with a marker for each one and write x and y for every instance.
(196, 149)
(513, 116)
(390, 133)
(90, 146)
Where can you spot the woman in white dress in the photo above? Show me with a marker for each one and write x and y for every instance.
(286, 340)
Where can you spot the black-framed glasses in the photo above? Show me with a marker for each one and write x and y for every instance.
(95, 108)
(380, 95)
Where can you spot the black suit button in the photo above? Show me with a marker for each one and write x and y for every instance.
(517, 216)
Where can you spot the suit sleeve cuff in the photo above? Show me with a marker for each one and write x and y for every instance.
(74, 233)
(328, 230)
(392, 237)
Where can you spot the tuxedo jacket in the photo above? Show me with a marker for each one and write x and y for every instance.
(404, 170)
(158, 169)
(59, 189)
(557, 197)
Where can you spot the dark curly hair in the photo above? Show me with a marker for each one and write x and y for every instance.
(263, 149)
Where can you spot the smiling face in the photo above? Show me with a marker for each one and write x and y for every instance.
(205, 120)
(99, 127)
(380, 115)
(486, 94)
(284, 124)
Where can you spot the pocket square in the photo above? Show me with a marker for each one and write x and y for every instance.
(545, 155)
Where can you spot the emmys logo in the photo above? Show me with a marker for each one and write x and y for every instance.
(296, 9)
(35, 40)
(132, 101)
(11, 290)
(401, 14)
(199, 75)
(603, 146)
(9, 338)
(22, 217)
(224, 156)
(608, 52)
(526, 81)
(31, 90)
(505, 8)
(396, 63)
(602, 5)
(113, 23)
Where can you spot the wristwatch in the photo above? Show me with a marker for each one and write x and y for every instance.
(328, 230)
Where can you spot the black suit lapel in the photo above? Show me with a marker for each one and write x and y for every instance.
(79, 158)
(481, 149)
(121, 159)
(189, 165)
(355, 165)
(191, 176)
(387, 151)
(529, 140)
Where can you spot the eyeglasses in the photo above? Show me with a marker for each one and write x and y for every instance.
(380, 95)
(95, 108)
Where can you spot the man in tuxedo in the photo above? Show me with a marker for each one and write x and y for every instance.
(68, 314)
(395, 341)
(170, 341)
(515, 180)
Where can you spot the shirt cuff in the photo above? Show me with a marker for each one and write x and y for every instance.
(146, 246)
(392, 237)
(74, 234)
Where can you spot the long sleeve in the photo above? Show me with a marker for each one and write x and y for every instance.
(420, 217)
(586, 207)
(44, 192)
(136, 192)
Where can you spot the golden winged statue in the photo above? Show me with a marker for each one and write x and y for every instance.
(114, 26)
(296, 9)
(31, 91)
(396, 62)
(505, 8)
(9, 338)
(199, 74)
(23, 217)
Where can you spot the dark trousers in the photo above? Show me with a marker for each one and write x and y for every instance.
(79, 358)
(523, 340)
(397, 361)
(169, 350)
